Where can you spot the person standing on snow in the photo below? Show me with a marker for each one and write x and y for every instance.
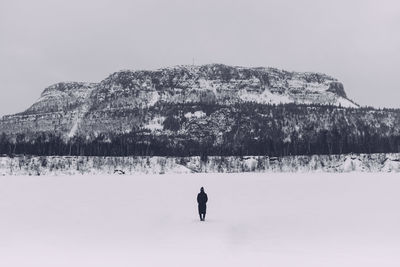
(202, 200)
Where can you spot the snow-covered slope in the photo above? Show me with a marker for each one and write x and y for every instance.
(65, 96)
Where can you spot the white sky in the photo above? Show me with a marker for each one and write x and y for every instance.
(47, 41)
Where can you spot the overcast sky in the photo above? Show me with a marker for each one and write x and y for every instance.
(47, 41)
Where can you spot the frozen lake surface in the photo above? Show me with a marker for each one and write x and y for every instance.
(316, 219)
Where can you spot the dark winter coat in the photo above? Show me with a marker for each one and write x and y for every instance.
(202, 200)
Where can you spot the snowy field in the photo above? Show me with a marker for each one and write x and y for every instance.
(318, 219)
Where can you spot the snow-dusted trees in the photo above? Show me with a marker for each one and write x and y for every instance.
(242, 129)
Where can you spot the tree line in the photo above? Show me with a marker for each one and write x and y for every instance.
(253, 129)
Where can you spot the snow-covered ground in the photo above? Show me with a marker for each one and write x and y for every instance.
(80, 165)
(253, 219)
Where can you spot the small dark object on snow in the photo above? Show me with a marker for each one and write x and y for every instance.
(202, 200)
(119, 172)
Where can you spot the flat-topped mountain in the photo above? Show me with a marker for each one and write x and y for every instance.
(200, 110)
(196, 84)
(72, 107)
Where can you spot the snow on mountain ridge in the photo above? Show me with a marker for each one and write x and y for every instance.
(214, 83)
(65, 106)
(62, 96)
(223, 84)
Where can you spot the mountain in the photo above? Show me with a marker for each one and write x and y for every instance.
(200, 111)
(75, 107)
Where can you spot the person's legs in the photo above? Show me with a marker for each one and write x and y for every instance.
(199, 209)
(202, 213)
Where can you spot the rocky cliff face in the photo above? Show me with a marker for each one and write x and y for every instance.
(123, 101)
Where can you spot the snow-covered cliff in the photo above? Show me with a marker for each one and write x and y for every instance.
(70, 108)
